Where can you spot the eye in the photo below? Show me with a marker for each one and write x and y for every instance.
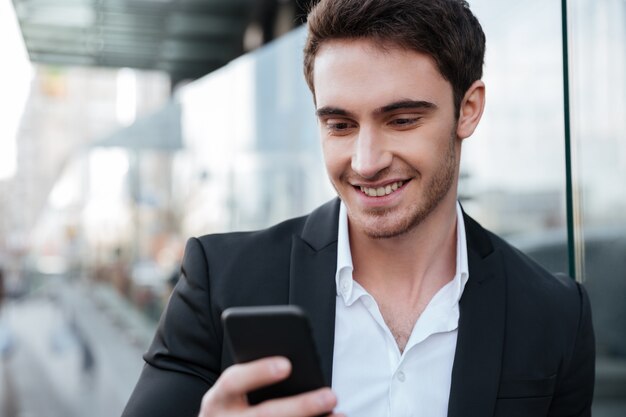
(404, 122)
(339, 127)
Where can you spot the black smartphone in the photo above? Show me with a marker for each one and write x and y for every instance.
(284, 330)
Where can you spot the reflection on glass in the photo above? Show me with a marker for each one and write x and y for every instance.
(597, 35)
(512, 171)
(253, 157)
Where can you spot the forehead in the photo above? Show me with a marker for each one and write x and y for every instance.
(351, 72)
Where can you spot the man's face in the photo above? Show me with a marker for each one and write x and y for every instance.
(388, 133)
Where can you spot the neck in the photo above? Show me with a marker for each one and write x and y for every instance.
(424, 256)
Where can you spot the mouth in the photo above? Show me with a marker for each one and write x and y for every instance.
(382, 190)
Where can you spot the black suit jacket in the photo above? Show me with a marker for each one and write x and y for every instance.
(525, 342)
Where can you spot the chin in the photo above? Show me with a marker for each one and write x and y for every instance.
(378, 227)
(384, 233)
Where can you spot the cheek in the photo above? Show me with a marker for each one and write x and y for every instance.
(425, 156)
(330, 162)
(335, 157)
(435, 143)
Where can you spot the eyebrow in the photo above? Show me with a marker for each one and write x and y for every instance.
(407, 104)
(398, 105)
(331, 111)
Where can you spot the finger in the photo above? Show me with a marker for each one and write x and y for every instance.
(240, 379)
(313, 403)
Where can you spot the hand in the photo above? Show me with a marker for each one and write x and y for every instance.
(228, 396)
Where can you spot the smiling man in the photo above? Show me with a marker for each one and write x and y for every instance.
(416, 309)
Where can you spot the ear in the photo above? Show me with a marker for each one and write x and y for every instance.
(471, 109)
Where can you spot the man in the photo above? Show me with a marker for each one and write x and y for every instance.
(416, 309)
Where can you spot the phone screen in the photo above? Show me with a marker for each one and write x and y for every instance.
(258, 332)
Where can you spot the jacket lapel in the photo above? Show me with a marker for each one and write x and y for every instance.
(312, 278)
(478, 357)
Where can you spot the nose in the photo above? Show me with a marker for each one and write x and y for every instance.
(370, 155)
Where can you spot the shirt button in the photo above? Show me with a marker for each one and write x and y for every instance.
(344, 285)
(401, 376)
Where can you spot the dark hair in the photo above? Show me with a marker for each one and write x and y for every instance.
(444, 29)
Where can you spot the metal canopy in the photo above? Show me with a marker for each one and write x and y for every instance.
(186, 38)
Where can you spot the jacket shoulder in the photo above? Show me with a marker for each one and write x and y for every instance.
(233, 243)
(318, 228)
(552, 304)
(521, 267)
(528, 283)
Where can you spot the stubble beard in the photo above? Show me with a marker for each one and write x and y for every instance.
(378, 223)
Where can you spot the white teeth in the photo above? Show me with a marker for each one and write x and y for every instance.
(381, 191)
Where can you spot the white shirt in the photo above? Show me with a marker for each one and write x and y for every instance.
(370, 376)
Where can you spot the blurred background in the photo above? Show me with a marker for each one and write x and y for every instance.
(127, 126)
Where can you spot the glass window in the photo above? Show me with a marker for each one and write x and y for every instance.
(513, 167)
(597, 36)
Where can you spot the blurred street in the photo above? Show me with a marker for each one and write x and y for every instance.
(69, 351)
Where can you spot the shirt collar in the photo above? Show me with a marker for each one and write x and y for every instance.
(343, 275)
(462, 268)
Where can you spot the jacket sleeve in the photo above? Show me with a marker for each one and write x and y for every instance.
(184, 359)
(574, 390)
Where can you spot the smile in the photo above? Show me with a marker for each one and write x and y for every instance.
(381, 191)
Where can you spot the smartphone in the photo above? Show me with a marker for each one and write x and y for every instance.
(284, 330)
